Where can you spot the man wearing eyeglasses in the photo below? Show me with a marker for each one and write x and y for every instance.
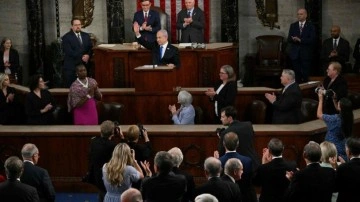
(36, 176)
(148, 20)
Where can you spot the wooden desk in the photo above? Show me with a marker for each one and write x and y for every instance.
(64, 149)
(199, 67)
(152, 107)
(154, 79)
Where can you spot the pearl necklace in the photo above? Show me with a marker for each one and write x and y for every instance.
(86, 84)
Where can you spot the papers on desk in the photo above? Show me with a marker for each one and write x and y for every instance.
(106, 45)
(312, 82)
(184, 45)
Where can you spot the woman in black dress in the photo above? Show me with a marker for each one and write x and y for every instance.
(39, 103)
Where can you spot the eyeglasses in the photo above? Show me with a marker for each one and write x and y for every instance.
(222, 73)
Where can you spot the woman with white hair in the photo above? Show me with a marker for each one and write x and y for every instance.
(186, 113)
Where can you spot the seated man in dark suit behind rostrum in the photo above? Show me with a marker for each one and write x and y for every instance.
(163, 53)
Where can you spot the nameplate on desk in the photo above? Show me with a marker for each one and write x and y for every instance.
(184, 45)
(155, 67)
(106, 45)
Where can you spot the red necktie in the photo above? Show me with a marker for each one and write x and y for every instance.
(146, 17)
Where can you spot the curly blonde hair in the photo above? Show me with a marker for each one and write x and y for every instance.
(121, 157)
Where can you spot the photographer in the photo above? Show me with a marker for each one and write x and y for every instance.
(101, 148)
(133, 135)
(339, 126)
(336, 83)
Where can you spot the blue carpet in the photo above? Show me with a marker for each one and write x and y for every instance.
(76, 197)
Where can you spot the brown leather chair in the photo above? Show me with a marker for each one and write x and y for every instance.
(354, 97)
(199, 115)
(308, 109)
(258, 112)
(109, 111)
(270, 59)
(164, 19)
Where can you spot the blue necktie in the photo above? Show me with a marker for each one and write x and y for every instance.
(189, 14)
(160, 55)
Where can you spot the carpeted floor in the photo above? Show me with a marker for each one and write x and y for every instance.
(76, 197)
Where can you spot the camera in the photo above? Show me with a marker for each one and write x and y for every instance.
(141, 129)
(116, 128)
(320, 90)
(327, 93)
(219, 130)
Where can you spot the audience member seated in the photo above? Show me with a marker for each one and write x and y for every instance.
(348, 174)
(335, 49)
(186, 113)
(36, 176)
(314, 183)
(329, 159)
(224, 191)
(9, 104)
(178, 157)
(131, 195)
(165, 186)
(231, 143)
(244, 131)
(82, 98)
(101, 149)
(206, 198)
(39, 102)
(120, 172)
(12, 189)
(271, 175)
(339, 126)
(9, 58)
(334, 83)
(224, 92)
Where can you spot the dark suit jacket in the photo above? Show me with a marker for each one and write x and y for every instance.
(73, 50)
(190, 184)
(272, 180)
(348, 180)
(245, 184)
(164, 188)
(340, 87)
(301, 50)
(226, 96)
(194, 32)
(14, 191)
(356, 56)
(153, 20)
(171, 55)
(224, 191)
(245, 133)
(343, 51)
(287, 107)
(13, 59)
(40, 179)
(100, 153)
(314, 184)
